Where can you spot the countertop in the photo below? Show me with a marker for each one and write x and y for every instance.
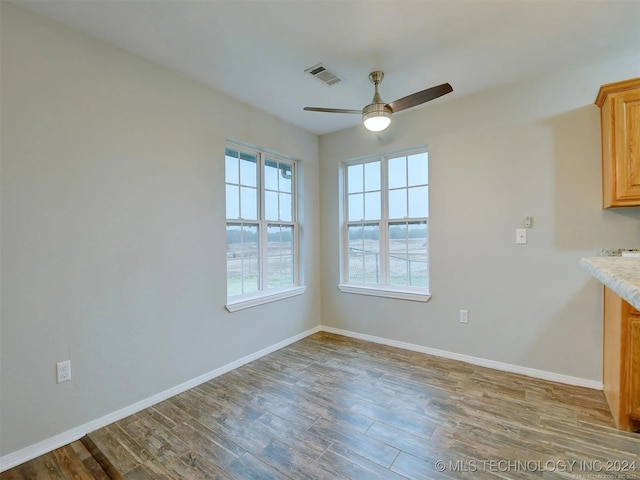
(622, 275)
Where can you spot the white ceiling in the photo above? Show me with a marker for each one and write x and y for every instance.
(257, 51)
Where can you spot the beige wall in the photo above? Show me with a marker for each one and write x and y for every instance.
(113, 239)
(527, 149)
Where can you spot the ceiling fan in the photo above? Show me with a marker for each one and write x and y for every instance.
(377, 115)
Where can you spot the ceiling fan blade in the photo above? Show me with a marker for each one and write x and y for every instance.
(331, 110)
(420, 97)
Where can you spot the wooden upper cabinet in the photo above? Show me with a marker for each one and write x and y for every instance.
(620, 124)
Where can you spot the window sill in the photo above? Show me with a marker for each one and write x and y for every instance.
(263, 297)
(388, 292)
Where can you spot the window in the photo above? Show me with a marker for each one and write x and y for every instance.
(386, 214)
(262, 232)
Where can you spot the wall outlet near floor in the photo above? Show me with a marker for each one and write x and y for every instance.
(464, 316)
(63, 370)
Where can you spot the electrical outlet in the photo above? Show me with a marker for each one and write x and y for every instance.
(464, 316)
(63, 370)
(521, 236)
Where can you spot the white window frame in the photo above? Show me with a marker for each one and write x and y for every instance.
(383, 288)
(264, 294)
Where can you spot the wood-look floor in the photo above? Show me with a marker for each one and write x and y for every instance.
(334, 407)
(71, 462)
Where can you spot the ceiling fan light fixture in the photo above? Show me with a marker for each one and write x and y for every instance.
(376, 117)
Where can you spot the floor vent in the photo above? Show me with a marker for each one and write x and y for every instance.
(325, 76)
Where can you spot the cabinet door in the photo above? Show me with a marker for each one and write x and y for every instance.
(626, 142)
(634, 368)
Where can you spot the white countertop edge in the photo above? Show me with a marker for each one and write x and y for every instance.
(619, 274)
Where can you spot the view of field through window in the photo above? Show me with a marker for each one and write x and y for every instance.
(408, 261)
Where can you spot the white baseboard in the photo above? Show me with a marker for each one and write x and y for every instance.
(505, 367)
(28, 453)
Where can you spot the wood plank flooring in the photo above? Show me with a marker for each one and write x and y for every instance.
(331, 407)
(71, 462)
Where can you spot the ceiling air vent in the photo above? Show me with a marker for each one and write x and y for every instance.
(325, 76)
